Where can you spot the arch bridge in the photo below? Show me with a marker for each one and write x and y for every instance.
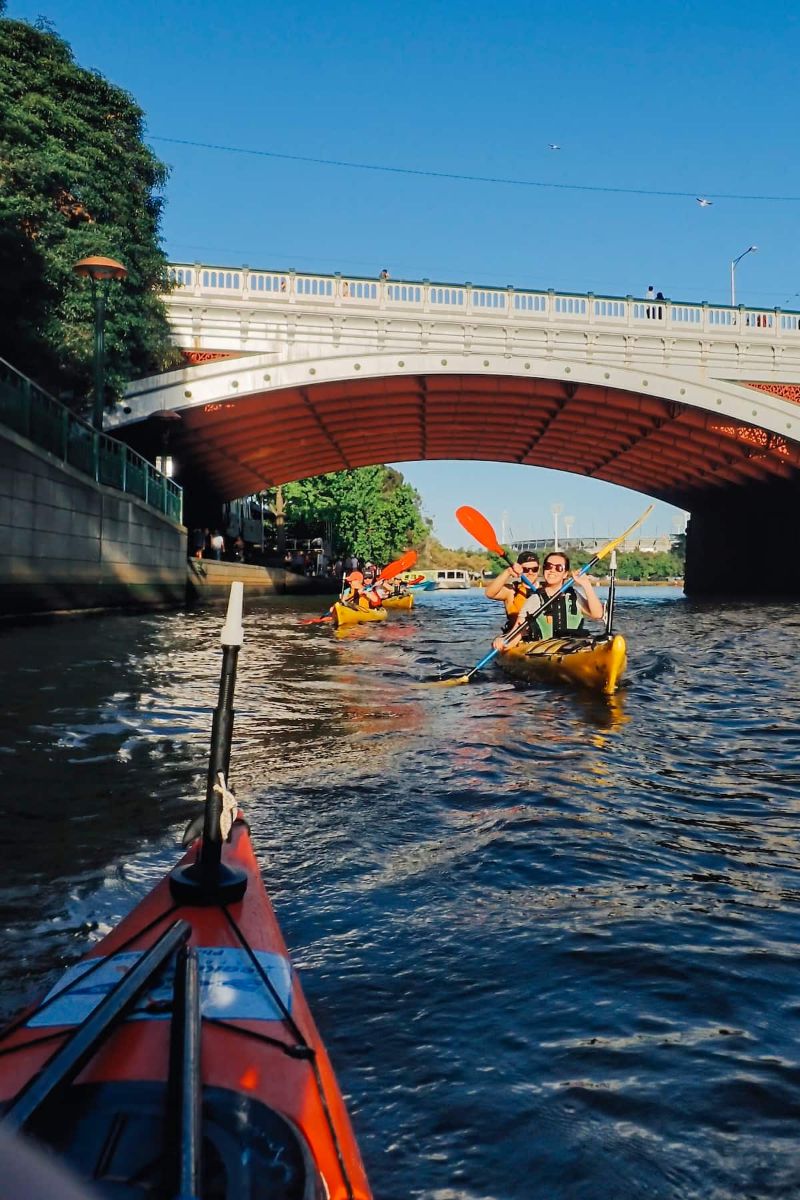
(289, 375)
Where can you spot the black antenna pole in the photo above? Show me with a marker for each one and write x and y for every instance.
(612, 591)
(209, 880)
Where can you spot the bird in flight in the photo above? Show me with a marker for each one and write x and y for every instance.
(701, 200)
(553, 146)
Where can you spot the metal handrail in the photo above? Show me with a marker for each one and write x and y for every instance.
(33, 413)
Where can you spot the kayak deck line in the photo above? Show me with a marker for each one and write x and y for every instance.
(225, 981)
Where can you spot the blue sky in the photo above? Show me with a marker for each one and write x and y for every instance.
(670, 98)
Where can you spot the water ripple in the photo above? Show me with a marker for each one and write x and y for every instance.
(550, 939)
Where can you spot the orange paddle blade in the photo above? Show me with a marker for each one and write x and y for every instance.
(404, 563)
(476, 524)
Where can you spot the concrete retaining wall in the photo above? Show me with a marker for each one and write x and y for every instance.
(69, 543)
(209, 581)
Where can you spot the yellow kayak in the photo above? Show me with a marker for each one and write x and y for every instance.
(592, 662)
(405, 602)
(343, 614)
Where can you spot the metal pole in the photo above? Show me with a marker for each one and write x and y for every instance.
(733, 283)
(99, 294)
(612, 592)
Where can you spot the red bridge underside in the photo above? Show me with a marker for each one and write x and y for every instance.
(667, 450)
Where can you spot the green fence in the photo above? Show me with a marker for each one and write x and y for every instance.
(36, 415)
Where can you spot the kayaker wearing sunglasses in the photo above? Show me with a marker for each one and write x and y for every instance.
(564, 617)
(509, 588)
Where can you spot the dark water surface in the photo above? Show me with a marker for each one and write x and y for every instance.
(551, 940)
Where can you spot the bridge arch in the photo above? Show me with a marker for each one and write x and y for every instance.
(248, 422)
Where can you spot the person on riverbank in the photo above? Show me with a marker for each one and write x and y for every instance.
(565, 616)
(508, 587)
(217, 545)
(199, 542)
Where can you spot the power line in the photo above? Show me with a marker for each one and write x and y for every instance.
(509, 182)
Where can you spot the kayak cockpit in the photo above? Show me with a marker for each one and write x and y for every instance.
(116, 1136)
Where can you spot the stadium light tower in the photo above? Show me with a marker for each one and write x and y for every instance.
(555, 509)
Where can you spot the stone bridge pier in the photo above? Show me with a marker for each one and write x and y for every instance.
(745, 542)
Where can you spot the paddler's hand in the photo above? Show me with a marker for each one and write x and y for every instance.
(499, 644)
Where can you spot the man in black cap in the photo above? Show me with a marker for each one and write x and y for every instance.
(509, 588)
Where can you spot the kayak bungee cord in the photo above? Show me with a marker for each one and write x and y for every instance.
(97, 963)
(308, 1052)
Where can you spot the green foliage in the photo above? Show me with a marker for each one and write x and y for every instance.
(372, 512)
(434, 554)
(639, 566)
(75, 179)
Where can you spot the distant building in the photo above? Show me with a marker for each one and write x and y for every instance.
(647, 545)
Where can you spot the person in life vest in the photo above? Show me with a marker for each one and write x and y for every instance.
(564, 617)
(509, 588)
(358, 594)
(383, 589)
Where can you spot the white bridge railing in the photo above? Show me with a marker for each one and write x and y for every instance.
(243, 286)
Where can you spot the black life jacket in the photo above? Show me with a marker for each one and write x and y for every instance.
(566, 617)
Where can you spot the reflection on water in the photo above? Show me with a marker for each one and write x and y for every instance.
(549, 937)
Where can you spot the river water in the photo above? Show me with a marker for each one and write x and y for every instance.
(551, 940)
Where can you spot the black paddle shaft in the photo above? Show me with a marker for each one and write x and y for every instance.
(219, 759)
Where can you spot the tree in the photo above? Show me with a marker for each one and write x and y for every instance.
(75, 179)
(373, 512)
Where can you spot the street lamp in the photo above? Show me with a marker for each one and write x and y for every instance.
(100, 272)
(568, 523)
(555, 509)
(734, 263)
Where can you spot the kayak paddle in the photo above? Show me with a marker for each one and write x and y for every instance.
(601, 553)
(476, 524)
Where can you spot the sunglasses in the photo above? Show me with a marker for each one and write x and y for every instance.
(555, 567)
(532, 566)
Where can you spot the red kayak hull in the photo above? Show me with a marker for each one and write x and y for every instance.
(301, 1089)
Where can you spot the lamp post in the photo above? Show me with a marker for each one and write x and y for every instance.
(734, 264)
(555, 509)
(100, 272)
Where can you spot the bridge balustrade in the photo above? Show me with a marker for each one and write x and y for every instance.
(273, 287)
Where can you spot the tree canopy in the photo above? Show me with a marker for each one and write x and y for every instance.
(372, 512)
(76, 179)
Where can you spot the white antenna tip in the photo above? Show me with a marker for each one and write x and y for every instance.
(233, 631)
